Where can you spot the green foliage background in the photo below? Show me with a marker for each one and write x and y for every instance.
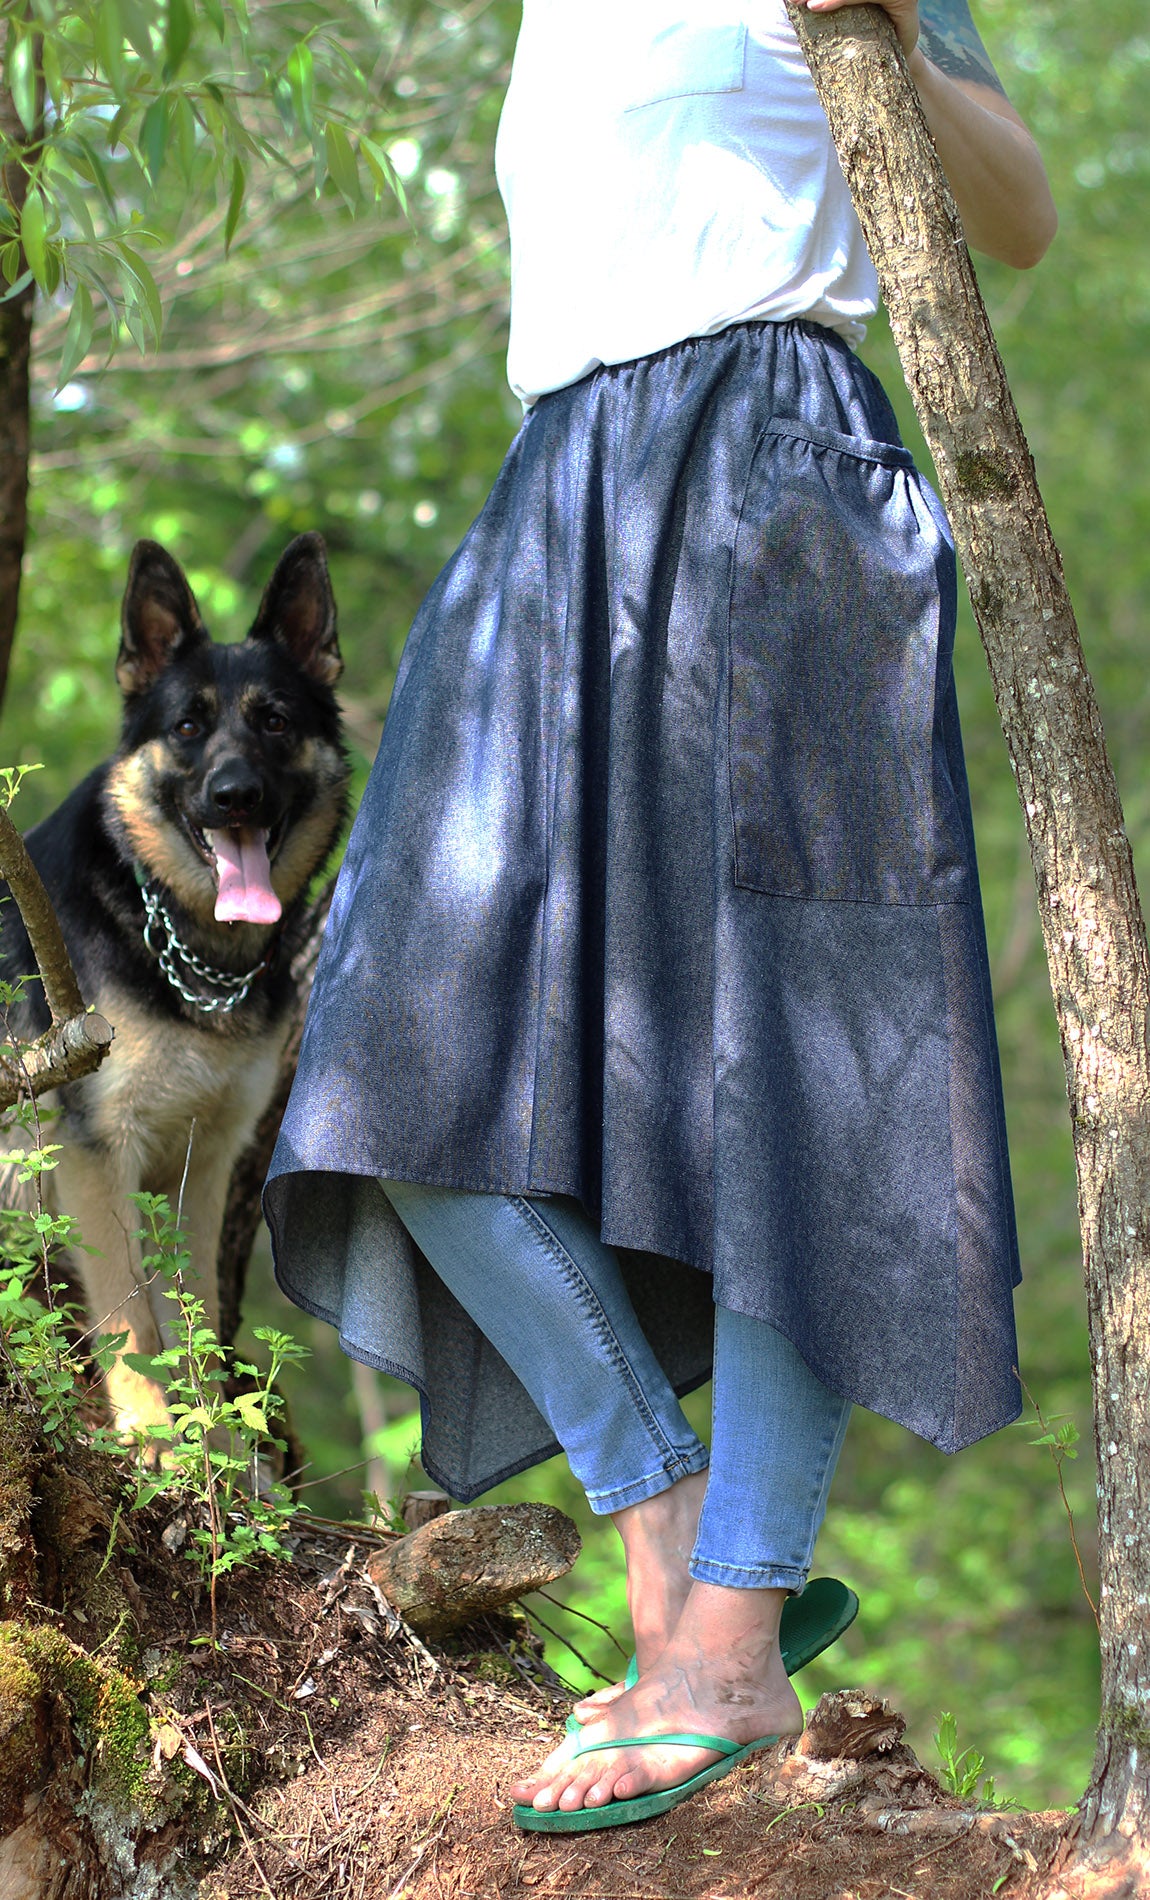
(348, 376)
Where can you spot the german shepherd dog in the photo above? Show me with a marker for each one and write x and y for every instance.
(179, 871)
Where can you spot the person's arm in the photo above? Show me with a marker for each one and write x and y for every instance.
(994, 167)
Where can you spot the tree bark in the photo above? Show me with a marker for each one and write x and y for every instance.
(1088, 901)
(465, 1564)
(15, 382)
(67, 1052)
(61, 990)
(77, 1041)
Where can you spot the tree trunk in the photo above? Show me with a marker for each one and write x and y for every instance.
(15, 365)
(77, 1041)
(1091, 918)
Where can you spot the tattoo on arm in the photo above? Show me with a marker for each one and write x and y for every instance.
(950, 39)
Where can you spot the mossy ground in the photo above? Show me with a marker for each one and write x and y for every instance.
(315, 1751)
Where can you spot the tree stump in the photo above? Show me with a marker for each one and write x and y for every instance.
(465, 1564)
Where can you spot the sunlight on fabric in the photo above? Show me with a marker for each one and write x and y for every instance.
(468, 853)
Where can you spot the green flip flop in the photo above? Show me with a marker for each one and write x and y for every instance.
(810, 1623)
(813, 1621)
(641, 1807)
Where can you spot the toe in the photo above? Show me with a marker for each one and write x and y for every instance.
(591, 1789)
(592, 1705)
(529, 1788)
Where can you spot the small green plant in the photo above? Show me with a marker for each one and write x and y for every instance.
(383, 1514)
(11, 779)
(37, 1330)
(1061, 1437)
(961, 1771)
(211, 1457)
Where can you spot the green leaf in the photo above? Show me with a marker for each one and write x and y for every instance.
(180, 24)
(34, 235)
(282, 98)
(154, 135)
(22, 79)
(10, 263)
(134, 23)
(74, 201)
(140, 1362)
(341, 164)
(248, 1406)
(116, 124)
(235, 203)
(184, 120)
(96, 171)
(108, 36)
(53, 79)
(111, 305)
(301, 79)
(383, 171)
(152, 305)
(78, 335)
(215, 13)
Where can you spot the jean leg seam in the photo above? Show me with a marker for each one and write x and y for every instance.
(605, 1332)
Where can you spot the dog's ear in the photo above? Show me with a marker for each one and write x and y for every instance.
(298, 610)
(159, 618)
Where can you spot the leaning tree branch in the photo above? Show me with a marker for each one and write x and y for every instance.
(15, 372)
(64, 1054)
(1088, 901)
(78, 1040)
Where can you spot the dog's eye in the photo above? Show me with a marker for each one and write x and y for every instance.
(275, 722)
(188, 729)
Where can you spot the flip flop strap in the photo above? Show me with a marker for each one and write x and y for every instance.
(719, 1743)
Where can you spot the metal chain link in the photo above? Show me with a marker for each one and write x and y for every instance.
(234, 988)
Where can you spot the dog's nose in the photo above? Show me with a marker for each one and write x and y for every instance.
(236, 792)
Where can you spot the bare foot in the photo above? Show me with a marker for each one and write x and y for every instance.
(720, 1674)
(658, 1537)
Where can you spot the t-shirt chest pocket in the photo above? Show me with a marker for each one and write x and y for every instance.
(682, 61)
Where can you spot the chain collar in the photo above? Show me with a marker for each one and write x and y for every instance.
(165, 944)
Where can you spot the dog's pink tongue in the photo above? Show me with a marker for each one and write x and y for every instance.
(245, 895)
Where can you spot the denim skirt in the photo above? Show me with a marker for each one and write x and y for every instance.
(663, 895)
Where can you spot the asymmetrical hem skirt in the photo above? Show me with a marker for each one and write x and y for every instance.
(663, 895)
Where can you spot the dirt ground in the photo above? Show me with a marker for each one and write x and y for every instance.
(374, 1771)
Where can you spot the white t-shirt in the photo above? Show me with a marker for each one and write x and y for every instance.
(667, 171)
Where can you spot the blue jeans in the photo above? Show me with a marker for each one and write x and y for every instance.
(550, 1296)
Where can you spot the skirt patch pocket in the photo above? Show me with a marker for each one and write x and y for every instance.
(840, 678)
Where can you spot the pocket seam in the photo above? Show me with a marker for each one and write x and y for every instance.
(860, 447)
